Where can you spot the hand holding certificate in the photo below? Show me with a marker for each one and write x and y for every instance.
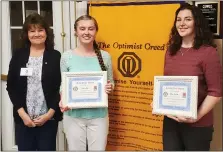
(175, 95)
(84, 89)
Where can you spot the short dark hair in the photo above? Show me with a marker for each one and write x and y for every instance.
(36, 20)
(203, 35)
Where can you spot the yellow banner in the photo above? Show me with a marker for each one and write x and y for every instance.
(135, 35)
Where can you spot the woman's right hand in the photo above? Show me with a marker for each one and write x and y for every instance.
(173, 117)
(26, 119)
(62, 107)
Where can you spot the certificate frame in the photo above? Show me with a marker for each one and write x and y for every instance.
(77, 79)
(218, 32)
(169, 91)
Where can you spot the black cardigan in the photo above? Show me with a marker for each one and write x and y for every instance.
(51, 80)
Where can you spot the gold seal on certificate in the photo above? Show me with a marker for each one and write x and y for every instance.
(175, 95)
(84, 89)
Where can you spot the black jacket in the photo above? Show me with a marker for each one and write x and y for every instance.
(51, 80)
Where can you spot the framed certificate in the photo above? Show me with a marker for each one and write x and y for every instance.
(212, 12)
(175, 95)
(84, 89)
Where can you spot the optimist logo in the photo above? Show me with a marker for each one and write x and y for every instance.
(129, 64)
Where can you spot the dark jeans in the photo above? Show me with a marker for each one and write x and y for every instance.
(41, 138)
(183, 137)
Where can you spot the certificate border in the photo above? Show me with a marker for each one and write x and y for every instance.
(101, 75)
(172, 110)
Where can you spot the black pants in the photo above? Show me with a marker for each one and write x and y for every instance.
(182, 137)
(41, 138)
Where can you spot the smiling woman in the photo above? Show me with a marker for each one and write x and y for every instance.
(33, 87)
(191, 52)
(91, 125)
(36, 35)
(36, 32)
(185, 23)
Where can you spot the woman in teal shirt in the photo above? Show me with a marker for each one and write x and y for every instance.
(86, 126)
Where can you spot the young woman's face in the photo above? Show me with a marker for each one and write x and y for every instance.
(185, 23)
(86, 31)
(37, 35)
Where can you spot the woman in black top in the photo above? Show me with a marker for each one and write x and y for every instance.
(33, 86)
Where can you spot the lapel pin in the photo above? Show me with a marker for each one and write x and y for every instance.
(45, 62)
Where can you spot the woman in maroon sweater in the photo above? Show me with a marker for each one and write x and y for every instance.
(191, 52)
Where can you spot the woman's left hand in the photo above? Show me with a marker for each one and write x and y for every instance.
(186, 120)
(41, 120)
(108, 87)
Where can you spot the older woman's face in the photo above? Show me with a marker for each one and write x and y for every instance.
(185, 23)
(37, 35)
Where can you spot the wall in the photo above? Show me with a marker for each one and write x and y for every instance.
(0, 73)
(217, 137)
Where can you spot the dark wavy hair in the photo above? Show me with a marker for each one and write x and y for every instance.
(203, 35)
(95, 45)
(36, 20)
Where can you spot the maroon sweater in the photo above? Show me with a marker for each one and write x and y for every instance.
(204, 63)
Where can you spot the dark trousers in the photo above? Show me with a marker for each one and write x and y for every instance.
(183, 137)
(41, 138)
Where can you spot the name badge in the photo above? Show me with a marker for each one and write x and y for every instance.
(26, 72)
